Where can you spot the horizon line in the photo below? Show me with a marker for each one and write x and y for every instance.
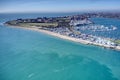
(85, 11)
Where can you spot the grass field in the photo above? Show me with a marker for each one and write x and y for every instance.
(14, 22)
(117, 41)
(38, 24)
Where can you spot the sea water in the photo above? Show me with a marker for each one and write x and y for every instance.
(107, 22)
(30, 55)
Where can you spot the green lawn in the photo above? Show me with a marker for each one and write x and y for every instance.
(38, 24)
(117, 41)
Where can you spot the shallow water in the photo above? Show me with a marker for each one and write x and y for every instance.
(30, 55)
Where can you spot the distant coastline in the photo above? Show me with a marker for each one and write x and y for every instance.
(62, 27)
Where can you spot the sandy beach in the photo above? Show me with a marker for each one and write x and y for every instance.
(65, 37)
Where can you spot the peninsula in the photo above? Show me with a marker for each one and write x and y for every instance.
(63, 27)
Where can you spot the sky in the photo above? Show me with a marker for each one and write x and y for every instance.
(25, 6)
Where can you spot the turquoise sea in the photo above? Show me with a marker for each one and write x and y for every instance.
(30, 55)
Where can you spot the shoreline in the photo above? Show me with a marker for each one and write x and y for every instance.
(86, 42)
